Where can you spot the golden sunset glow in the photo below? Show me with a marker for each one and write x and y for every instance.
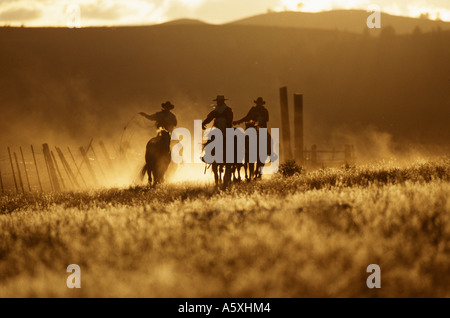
(138, 12)
(216, 150)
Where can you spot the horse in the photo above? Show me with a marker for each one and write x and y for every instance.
(157, 157)
(253, 169)
(237, 165)
(222, 171)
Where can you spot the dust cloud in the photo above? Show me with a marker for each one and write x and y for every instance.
(387, 96)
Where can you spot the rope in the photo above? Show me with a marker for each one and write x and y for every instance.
(121, 148)
(126, 126)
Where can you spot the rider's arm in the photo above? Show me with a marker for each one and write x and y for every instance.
(244, 119)
(208, 119)
(230, 118)
(149, 117)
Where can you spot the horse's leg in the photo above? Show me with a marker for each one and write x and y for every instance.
(157, 171)
(247, 159)
(251, 168)
(156, 177)
(223, 174)
(220, 167)
(215, 171)
(227, 176)
(160, 170)
(149, 173)
(147, 164)
(261, 164)
(258, 170)
(152, 172)
(234, 171)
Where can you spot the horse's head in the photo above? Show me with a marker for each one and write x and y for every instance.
(164, 137)
(252, 124)
(163, 133)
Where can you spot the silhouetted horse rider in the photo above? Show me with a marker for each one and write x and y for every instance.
(157, 155)
(164, 119)
(257, 117)
(223, 119)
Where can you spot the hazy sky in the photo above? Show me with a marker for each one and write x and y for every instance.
(122, 12)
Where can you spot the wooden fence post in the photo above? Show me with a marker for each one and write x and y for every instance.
(12, 169)
(37, 171)
(313, 155)
(86, 151)
(348, 154)
(88, 164)
(78, 168)
(25, 167)
(285, 125)
(49, 174)
(51, 168)
(352, 153)
(298, 128)
(307, 155)
(19, 175)
(58, 171)
(67, 168)
(1, 182)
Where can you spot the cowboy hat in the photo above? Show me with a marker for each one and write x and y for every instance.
(167, 105)
(219, 97)
(260, 101)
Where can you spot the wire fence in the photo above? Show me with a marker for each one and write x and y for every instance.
(53, 169)
(318, 157)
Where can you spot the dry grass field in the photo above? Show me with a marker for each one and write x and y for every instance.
(308, 235)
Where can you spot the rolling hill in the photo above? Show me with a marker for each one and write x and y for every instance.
(342, 20)
(69, 85)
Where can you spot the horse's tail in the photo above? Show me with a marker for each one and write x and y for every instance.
(144, 170)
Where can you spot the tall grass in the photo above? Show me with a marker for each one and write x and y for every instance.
(309, 235)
